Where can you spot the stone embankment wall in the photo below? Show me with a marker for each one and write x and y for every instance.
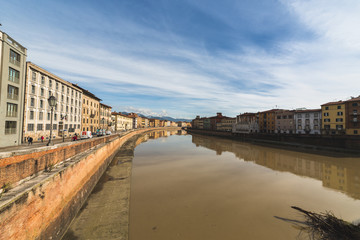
(334, 142)
(43, 207)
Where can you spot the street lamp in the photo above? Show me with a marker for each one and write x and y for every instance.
(103, 120)
(52, 103)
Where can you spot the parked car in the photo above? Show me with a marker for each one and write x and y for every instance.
(101, 132)
(108, 132)
(86, 134)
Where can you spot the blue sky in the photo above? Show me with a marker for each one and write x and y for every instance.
(184, 58)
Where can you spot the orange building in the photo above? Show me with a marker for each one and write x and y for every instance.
(267, 121)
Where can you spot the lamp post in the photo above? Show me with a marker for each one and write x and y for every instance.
(103, 120)
(52, 103)
(63, 117)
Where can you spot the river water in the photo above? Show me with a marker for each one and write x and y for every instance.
(195, 187)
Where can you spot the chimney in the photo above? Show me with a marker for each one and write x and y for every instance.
(219, 114)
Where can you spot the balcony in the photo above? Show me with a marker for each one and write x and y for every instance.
(15, 62)
(354, 120)
(13, 96)
(14, 79)
(354, 114)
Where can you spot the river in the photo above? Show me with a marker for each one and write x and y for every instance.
(195, 187)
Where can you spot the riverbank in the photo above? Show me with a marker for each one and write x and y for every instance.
(338, 144)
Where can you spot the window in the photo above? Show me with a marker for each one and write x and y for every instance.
(32, 102)
(14, 75)
(299, 127)
(41, 115)
(355, 131)
(338, 107)
(42, 80)
(30, 127)
(54, 126)
(316, 121)
(339, 113)
(55, 117)
(62, 88)
(13, 92)
(42, 92)
(307, 115)
(355, 112)
(41, 103)
(33, 89)
(68, 90)
(339, 120)
(50, 83)
(355, 105)
(67, 109)
(327, 120)
(316, 127)
(47, 126)
(10, 127)
(316, 115)
(31, 115)
(339, 127)
(57, 86)
(50, 93)
(40, 127)
(11, 110)
(66, 126)
(14, 57)
(62, 98)
(34, 76)
(67, 100)
(48, 116)
(326, 108)
(326, 114)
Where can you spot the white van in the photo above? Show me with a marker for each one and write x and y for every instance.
(86, 134)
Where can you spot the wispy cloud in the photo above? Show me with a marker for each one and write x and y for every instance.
(196, 58)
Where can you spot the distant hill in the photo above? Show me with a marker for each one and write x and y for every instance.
(163, 118)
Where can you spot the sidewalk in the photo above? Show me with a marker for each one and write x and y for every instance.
(25, 146)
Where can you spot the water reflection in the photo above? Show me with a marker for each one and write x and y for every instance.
(340, 172)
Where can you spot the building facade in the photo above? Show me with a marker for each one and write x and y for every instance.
(121, 122)
(284, 121)
(267, 121)
(226, 124)
(333, 118)
(12, 90)
(105, 116)
(308, 121)
(246, 123)
(40, 85)
(90, 117)
(352, 112)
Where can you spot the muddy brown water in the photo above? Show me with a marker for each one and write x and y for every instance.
(195, 187)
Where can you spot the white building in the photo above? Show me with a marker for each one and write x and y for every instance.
(12, 88)
(121, 122)
(246, 123)
(308, 121)
(40, 85)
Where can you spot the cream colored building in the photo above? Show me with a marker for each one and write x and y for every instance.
(105, 116)
(90, 115)
(12, 89)
(121, 122)
(40, 85)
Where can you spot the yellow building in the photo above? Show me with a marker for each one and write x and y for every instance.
(333, 118)
(90, 117)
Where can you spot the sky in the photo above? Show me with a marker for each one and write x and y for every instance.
(183, 58)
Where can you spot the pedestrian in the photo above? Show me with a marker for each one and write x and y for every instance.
(42, 138)
(30, 140)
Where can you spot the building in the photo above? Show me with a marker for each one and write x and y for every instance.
(12, 90)
(284, 121)
(121, 122)
(144, 122)
(267, 121)
(333, 118)
(308, 121)
(246, 123)
(154, 122)
(216, 119)
(90, 111)
(105, 116)
(181, 124)
(40, 85)
(352, 112)
(136, 120)
(226, 124)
